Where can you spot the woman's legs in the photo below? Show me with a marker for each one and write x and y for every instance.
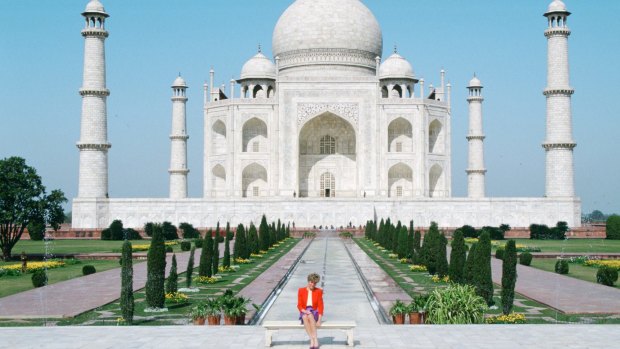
(308, 321)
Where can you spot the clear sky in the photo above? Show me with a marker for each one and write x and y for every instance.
(41, 53)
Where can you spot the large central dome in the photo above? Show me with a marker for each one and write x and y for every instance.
(342, 32)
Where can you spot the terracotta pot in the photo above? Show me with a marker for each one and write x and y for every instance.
(230, 320)
(398, 319)
(415, 318)
(199, 321)
(213, 320)
(241, 320)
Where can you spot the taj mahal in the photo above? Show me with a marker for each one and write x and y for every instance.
(328, 131)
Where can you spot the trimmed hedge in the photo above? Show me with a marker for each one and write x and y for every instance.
(561, 266)
(525, 258)
(606, 275)
(39, 278)
(612, 227)
(88, 269)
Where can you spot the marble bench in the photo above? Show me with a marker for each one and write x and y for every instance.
(274, 326)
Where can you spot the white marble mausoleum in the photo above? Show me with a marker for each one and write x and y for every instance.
(326, 132)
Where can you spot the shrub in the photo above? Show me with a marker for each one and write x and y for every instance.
(499, 253)
(606, 275)
(186, 245)
(132, 234)
(39, 278)
(148, 229)
(525, 258)
(156, 270)
(543, 232)
(189, 232)
(469, 231)
(455, 304)
(509, 276)
(612, 227)
(127, 300)
(198, 242)
(173, 278)
(170, 231)
(495, 232)
(457, 258)
(36, 230)
(561, 266)
(88, 269)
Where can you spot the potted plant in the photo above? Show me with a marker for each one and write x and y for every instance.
(241, 310)
(398, 311)
(213, 311)
(198, 314)
(417, 309)
(229, 307)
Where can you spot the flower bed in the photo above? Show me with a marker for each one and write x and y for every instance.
(207, 280)
(242, 261)
(231, 269)
(176, 298)
(15, 269)
(418, 268)
(438, 279)
(145, 247)
(613, 263)
(512, 318)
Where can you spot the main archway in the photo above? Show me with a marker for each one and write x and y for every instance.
(327, 144)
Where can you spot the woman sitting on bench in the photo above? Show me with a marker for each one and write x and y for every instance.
(310, 306)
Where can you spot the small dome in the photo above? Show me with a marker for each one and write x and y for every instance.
(396, 66)
(94, 6)
(475, 82)
(557, 6)
(179, 82)
(258, 67)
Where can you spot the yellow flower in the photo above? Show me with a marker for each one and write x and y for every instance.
(416, 267)
(512, 318)
(176, 297)
(32, 266)
(207, 280)
(615, 263)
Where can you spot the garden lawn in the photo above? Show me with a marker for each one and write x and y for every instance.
(575, 270)
(415, 283)
(14, 284)
(572, 245)
(75, 246)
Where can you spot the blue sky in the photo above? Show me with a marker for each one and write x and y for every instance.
(41, 53)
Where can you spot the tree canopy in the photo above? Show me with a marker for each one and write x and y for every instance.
(23, 200)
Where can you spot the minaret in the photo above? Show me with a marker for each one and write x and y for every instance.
(178, 138)
(475, 137)
(559, 142)
(93, 143)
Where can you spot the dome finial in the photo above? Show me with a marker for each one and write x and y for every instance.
(260, 49)
(395, 48)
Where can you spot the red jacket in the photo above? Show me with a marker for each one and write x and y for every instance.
(317, 299)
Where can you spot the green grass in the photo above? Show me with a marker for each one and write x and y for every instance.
(575, 270)
(14, 284)
(573, 245)
(77, 246)
(536, 313)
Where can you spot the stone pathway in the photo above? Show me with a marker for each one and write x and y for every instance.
(366, 337)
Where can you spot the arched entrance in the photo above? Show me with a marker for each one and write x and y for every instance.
(327, 157)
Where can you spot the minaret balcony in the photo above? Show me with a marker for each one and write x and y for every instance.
(558, 92)
(94, 32)
(91, 92)
(558, 31)
(566, 145)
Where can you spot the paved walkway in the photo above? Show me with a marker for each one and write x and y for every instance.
(344, 295)
(366, 337)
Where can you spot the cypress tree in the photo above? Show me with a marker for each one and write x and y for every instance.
(203, 265)
(226, 261)
(442, 259)
(482, 275)
(430, 249)
(241, 247)
(156, 270)
(172, 284)
(470, 268)
(415, 253)
(509, 276)
(409, 247)
(457, 258)
(216, 252)
(208, 246)
(272, 234)
(253, 243)
(288, 230)
(190, 268)
(127, 300)
(402, 243)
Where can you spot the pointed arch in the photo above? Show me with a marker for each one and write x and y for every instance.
(218, 180)
(436, 144)
(255, 136)
(436, 182)
(328, 185)
(400, 136)
(400, 181)
(218, 137)
(254, 181)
